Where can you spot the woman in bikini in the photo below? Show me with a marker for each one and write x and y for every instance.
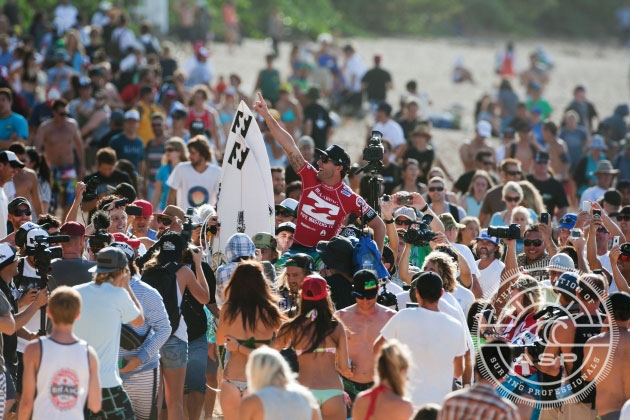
(319, 340)
(290, 110)
(248, 319)
(386, 399)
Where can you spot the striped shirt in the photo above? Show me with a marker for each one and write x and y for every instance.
(480, 402)
(155, 320)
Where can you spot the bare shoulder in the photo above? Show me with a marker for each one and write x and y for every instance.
(345, 312)
(250, 407)
(33, 351)
(385, 311)
(72, 122)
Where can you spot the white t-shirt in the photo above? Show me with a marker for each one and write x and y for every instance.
(470, 258)
(435, 339)
(392, 131)
(464, 297)
(594, 193)
(604, 260)
(353, 72)
(65, 17)
(490, 277)
(449, 306)
(4, 213)
(104, 309)
(194, 188)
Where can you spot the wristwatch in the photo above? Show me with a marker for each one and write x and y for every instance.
(425, 208)
(388, 222)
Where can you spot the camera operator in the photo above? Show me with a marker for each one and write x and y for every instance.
(489, 263)
(72, 268)
(27, 295)
(566, 339)
(104, 176)
(534, 259)
(363, 321)
(19, 213)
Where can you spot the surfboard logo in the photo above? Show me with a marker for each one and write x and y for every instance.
(245, 123)
(240, 160)
(321, 210)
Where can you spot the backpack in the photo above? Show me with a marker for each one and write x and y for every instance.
(366, 255)
(164, 280)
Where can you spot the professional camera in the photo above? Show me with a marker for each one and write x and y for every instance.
(420, 234)
(188, 226)
(44, 253)
(374, 150)
(387, 298)
(506, 232)
(90, 189)
(101, 237)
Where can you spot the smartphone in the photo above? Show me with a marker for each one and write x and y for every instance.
(404, 200)
(544, 218)
(615, 241)
(586, 206)
(576, 233)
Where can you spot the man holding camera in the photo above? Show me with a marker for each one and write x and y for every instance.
(104, 176)
(364, 321)
(326, 200)
(71, 269)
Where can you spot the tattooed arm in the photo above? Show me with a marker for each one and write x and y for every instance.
(296, 160)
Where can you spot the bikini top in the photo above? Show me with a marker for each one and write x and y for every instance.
(288, 116)
(251, 342)
(331, 350)
(372, 395)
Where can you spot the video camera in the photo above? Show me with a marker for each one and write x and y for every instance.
(505, 232)
(101, 237)
(374, 150)
(44, 253)
(387, 298)
(189, 226)
(420, 234)
(90, 193)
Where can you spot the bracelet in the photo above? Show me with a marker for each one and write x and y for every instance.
(425, 208)
(388, 222)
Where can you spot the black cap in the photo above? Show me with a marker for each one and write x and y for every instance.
(623, 183)
(612, 197)
(301, 260)
(337, 253)
(336, 154)
(365, 284)
(109, 259)
(171, 247)
(542, 157)
(125, 190)
(17, 202)
(429, 285)
(117, 116)
(7, 156)
(384, 107)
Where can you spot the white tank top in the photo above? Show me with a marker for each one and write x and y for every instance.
(62, 380)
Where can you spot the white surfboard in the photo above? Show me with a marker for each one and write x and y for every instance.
(246, 201)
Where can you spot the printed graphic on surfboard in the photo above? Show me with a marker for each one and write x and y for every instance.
(245, 201)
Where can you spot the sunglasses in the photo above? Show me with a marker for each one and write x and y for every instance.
(364, 297)
(401, 222)
(25, 212)
(513, 173)
(324, 158)
(513, 199)
(166, 221)
(433, 189)
(532, 242)
(621, 218)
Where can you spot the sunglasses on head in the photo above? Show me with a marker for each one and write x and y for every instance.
(513, 199)
(164, 220)
(403, 222)
(623, 218)
(24, 212)
(532, 242)
(433, 189)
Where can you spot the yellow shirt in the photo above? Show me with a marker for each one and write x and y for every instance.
(145, 131)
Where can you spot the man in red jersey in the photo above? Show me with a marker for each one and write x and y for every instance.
(325, 201)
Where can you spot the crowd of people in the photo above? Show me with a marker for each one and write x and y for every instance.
(500, 292)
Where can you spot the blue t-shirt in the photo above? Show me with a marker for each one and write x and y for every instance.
(162, 175)
(14, 123)
(132, 150)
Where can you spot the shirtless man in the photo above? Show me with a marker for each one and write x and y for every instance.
(364, 321)
(469, 149)
(534, 73)
(60, 139)
(525, 147)
(26, 182)
(613, 389)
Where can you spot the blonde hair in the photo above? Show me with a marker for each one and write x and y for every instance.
(521, 210)
(531, 197)
(64, 305)
(447, 267)
(392, 361)
(179, 144)
(100, 278)
(512, 187)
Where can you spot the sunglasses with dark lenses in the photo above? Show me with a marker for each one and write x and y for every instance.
(164, 220)
(25, 212)
(433, 189)
(402, 222)
(367, 296)
(532, 242)
(513, 173)
(623, 218)
(513, 199)
(324, 158)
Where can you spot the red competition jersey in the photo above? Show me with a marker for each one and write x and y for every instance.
(323, 209)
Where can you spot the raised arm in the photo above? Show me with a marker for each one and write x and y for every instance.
(280, 134)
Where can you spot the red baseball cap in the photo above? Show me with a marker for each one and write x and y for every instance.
(121, 237)
(147, 208)
(314, 287)
(72, 229)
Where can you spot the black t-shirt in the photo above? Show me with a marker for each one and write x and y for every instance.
(552, 193)
(463, 182)
(391, 177)
(104, 142)
(340, 291)
(408, 125)
(425, 158)
(192, 310)
(114, 179)
(321, 123)
(376, 80)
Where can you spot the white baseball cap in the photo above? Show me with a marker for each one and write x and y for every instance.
(132, 114)
(561, 262)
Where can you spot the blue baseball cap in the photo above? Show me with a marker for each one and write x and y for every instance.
(567, 282)
(568, 221)
(483, 235)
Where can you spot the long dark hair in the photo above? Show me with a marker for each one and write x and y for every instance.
(41, 167)
(248, 295)
(304, 328)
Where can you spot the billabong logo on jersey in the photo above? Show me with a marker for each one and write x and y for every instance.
(346, 191)
(321, 210)
(64, 389)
